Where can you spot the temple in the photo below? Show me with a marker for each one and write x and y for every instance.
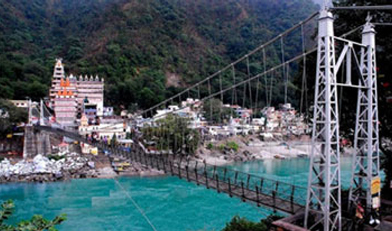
(72, 97)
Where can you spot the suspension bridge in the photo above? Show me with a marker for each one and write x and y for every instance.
(251, 81)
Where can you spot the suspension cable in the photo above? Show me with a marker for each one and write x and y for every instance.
(303, 70)
(384, 7)
(282, 53)
(209, 92)
(263, 74)
(257, 93)
(270, 89)
(250, 87)
(221, 97)
(244, 93)
(239, 60)
(382, 24)
(265, 77)
(233, 86)
(234, 90)
(286, 82)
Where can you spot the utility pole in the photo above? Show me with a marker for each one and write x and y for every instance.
(365, 181)
(323, 207)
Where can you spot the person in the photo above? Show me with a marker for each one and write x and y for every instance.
(359, 215)
(359, 211)
(374, 221)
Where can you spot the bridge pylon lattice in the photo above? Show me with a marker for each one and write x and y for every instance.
(323, 208)
(365, 181)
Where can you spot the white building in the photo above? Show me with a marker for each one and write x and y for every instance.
(105, 131)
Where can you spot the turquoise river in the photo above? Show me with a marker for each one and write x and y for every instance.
(170, 204)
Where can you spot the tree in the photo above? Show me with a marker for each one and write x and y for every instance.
(241, 224)
(215, 112)
(36, 223)
(172, 133)
(10, 116)
(134, 53)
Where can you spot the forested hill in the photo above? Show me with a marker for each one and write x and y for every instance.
(145, 49)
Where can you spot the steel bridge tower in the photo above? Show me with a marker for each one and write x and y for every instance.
(323, 207)
(365, 181)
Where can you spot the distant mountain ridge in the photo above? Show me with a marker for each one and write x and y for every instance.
(145, 49)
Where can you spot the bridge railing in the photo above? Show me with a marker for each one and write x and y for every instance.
(236, 179)
(274, 188)
(223, 178)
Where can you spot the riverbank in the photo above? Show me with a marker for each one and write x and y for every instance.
(65, 167)
(250, 148)
(73, 165)
(47, 168)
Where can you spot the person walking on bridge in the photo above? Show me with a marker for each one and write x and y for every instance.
(359, 217)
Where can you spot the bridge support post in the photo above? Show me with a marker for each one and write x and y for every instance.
(242, 191)
(257, 196)
(29, 142)
(171, 168)
(197, 177)
(35, 142)
(292, 197)
(323, 196)
(164, 163)
(217, 183)
(179, 169)
(206, 176)
(261, 185)
(196, 174)
(229, 182)
(187, 173)
(365, 180)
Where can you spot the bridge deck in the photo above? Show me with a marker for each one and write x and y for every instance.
(277, 195)
(213, 177)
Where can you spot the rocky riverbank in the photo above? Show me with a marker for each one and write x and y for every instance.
(249, 148)
(66, 166)
(46, 169)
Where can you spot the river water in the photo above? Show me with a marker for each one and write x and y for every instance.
(168, 203)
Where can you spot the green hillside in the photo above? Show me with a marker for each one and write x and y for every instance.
(145, 49)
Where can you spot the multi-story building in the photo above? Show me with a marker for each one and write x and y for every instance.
(70, 96)
(65, 104)
(90, 89)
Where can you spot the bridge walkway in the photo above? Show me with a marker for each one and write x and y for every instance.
(279, 196)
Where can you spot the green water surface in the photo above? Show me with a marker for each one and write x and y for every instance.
(169, 203)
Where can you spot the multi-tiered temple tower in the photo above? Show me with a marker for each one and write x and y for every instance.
(71, 97)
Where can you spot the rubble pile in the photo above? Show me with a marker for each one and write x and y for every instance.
(43, 169)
